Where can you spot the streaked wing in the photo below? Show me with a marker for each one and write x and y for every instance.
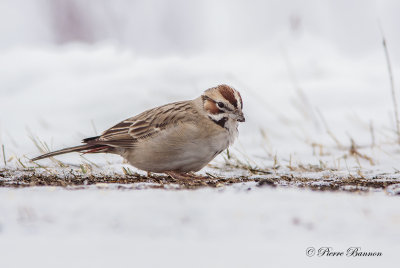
(128, 132)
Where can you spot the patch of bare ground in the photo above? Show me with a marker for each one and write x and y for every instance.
(73, 179)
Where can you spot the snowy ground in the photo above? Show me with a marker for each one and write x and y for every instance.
(318, 113)
(228, 227)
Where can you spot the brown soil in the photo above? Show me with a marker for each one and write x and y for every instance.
(74, 179)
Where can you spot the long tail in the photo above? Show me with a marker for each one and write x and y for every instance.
(86, 148)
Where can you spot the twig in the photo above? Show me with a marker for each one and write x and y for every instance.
(20, 162)
(371, 129)
(354, 152)
(389, 66)
(330, 133)
(4, 155)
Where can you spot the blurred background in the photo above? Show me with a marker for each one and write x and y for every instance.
(70, 68)
(157, 28)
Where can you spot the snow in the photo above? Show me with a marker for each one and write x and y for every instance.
(231, 227)
(312, 76)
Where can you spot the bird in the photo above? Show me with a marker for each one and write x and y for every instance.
(177, 139)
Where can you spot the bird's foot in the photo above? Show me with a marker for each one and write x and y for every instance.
(183, 176)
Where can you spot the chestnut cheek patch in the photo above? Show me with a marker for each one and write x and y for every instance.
(211, 107)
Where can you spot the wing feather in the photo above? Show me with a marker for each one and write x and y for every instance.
(128, 132)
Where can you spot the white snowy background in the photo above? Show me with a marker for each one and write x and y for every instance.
(70, 69)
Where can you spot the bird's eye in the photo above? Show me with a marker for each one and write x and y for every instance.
(220, 104)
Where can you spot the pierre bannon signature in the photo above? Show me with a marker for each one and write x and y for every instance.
(350, 252)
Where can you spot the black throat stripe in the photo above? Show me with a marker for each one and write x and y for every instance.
(220, 122)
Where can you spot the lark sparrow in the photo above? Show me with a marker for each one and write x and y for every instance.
(175, 138)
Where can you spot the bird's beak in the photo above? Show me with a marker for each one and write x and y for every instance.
(240, 117)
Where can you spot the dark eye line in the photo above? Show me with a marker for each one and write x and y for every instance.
(217, 103)
(225, 107)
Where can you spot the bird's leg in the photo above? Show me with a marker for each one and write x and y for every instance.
(183, 176)
(177, 175)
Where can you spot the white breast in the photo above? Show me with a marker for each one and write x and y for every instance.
(232, 126)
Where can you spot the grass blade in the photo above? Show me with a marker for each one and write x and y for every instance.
(4, 155)
(389, 66)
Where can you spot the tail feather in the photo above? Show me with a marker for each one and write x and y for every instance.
(80, 148)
